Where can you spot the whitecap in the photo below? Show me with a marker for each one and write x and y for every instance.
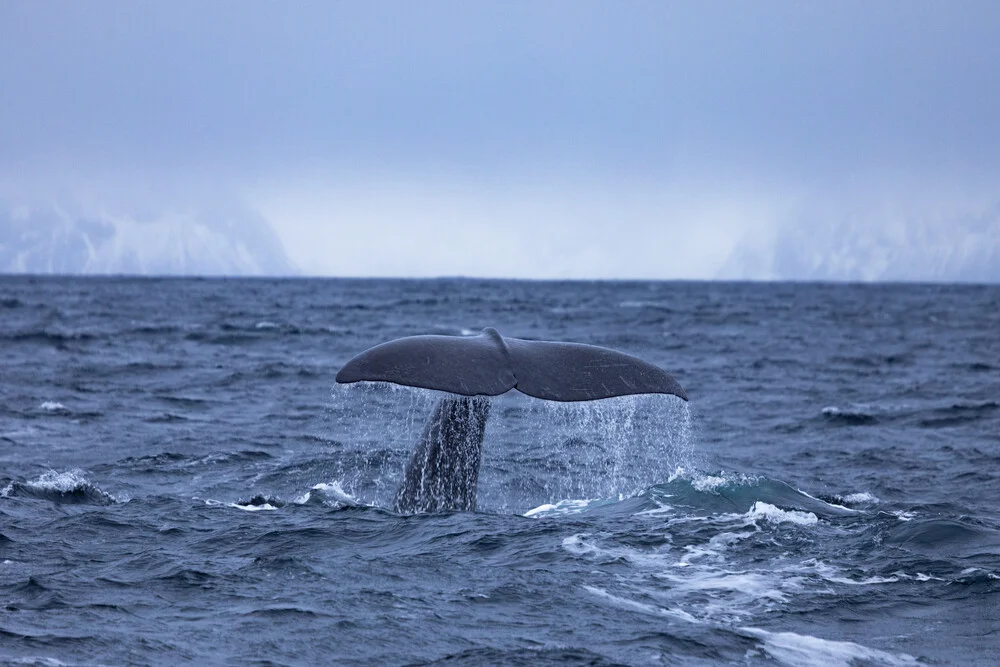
(246, 508)
(324, 492)
(53, 406)
(767, 512)
(807, 651)
(708, 483)
(836, 575)
(864, 497)
(568, 506)
(661, 509)
(641, 606)
(45, 661)
(254, 508)
(712, 483)
(972, 570)
(62, 484)
(713, 550)
(575, 544)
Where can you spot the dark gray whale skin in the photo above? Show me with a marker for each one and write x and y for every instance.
(443, 472)
(489, 365)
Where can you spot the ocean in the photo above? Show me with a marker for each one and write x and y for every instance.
(183, 481)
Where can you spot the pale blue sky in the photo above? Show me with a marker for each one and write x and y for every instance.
(511, 138)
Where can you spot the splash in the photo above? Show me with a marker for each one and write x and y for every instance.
(541, 452)
(534, 452)
(375, 426)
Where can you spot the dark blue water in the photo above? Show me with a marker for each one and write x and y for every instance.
(182, 481)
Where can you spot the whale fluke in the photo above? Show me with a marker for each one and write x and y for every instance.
(443, 472)
(489, 365)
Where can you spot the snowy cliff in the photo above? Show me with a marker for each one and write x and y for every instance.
(868, 248)
(51, 240)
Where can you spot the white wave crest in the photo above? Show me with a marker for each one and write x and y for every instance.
(254, 508)
(641, 606)
(568, 506)
(327, 492)
(576, 545)
(712, 483)
(64, 482)
(836, 575)
(263, 507)
(708, 483)
(762, 511)
(69, 481)
(863, 497)
(807, 651)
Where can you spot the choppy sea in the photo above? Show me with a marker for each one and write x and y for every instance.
(182, 480)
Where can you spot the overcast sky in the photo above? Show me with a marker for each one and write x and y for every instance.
(526, 139)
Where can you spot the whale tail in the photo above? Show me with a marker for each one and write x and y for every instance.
(443, 472)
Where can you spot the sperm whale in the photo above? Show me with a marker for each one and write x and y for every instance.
(443, 472)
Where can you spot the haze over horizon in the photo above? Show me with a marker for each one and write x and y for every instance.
(772, 140)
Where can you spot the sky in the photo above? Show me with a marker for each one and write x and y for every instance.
(576, 139)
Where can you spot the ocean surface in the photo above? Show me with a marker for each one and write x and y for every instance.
(182, 480)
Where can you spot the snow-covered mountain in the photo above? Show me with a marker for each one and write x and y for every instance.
(51, 240)
(866, 248)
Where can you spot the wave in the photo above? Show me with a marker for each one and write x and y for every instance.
(650, 305)
(528, 656)
(853, 500)
(762, 511)
(173, 461)
(865, 414)
(165, 418)
(331, 494)
(976, 367)
(730, 492)
(326, 494)
(257, 503)
(71, 487)
(849, 416)
(876, 360)
(788, 648)
(57, 409)
(698, 494)
(959, 413)
(791, 648)
(269, 371)
(946, 538)
(49, 337)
